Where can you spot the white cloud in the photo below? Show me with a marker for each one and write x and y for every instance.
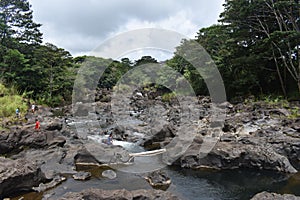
(80, 26)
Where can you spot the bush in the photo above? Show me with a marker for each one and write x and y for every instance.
(9, 102)
(168, 97)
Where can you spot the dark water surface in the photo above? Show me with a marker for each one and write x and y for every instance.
(187, 184)
(230, 184)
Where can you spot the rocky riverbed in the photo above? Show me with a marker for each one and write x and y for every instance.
(253, 135)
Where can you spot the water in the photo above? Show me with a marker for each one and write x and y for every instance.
(229, 184)
(129, 146)
(186, 183)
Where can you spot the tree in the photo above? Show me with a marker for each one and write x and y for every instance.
(16, 22)
(53, 72)
(144, 60)
(12, 65)
(269, 32)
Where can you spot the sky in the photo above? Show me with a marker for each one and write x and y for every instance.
(80, 26)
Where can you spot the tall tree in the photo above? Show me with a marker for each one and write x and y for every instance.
(16, 22)
(269, 32)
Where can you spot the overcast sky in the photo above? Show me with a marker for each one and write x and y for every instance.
(79, 26)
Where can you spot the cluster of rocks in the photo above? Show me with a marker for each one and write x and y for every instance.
(120, 194)
(253, 135)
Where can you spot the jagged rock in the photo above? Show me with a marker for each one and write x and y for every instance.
(58, 141)
(120, 194)
(231, 155)
(17, 175)
(158, 180)
(54, 125)
(274, 196)
(157, 140)
(17, 139)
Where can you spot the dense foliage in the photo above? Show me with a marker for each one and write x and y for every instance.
(255, 47)
(45, 72)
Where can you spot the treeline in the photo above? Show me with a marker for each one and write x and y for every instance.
(43, 72)
(256, 47)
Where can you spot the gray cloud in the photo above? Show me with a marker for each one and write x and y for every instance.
(81, 25)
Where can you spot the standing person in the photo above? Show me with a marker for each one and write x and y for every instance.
(109, 139)
(32, 108)
(37, 125)
(18, 112)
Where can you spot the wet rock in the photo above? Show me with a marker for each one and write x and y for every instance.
(274, 196)
(109, 174)
(120, 194)
(17, 175)
(159, 180)
(45, 186)
(82, 176)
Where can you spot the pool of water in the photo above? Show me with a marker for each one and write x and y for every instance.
(230, 184)
(187, 184)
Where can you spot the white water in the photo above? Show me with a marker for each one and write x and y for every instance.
(129, 146)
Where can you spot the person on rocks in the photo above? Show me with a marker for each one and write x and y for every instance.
(32, 108)
(110, 139)
(18, 112)
(37, 125)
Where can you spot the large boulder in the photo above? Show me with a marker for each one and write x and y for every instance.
(232, 155)
(53, 125)
(19, 138)
(99, 194)
(18, 175)
(98, 154)
(274, 196)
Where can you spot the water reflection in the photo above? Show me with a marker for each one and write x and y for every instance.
(230, 184)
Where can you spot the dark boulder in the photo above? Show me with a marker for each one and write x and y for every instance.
(18, 175)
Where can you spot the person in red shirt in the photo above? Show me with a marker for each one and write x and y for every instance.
(37, 125)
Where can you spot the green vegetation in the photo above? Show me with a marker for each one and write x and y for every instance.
(10, 100)
(295, 113)
(255, 47)
(168, 97)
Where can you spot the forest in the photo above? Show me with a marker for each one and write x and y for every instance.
(255, 46)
